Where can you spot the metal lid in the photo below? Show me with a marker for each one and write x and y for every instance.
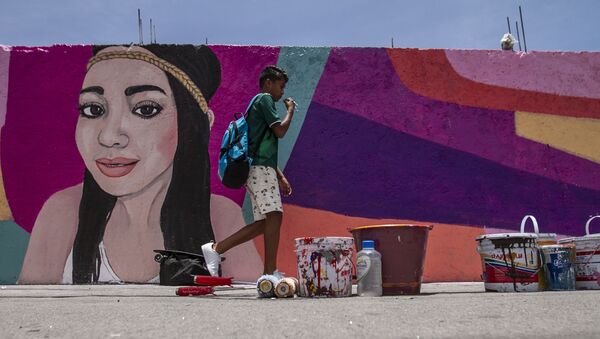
(389, 225)
(494, 236)
(546, 236)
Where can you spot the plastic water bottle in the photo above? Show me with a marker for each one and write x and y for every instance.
(368, 270)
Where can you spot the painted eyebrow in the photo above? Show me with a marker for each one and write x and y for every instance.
(129, 91)
(93, 89)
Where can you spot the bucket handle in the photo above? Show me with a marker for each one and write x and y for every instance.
(533, 221)
(587, 224)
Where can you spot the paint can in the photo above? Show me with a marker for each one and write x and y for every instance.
(403, 248)
(587, 260)
(542, 239)
(558, 266)
(510, 262)
(265, 286)
(286, 287)
(324, 266)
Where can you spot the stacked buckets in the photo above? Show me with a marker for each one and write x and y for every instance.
(511, 261)
(587, 261)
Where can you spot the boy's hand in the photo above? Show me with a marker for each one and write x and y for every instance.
(290, 104)
(285, 186)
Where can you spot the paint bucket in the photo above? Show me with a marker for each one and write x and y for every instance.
(402, 249)
(587, 261)
(324, 266)
(542, 239)
(510, 262)
(557, 263)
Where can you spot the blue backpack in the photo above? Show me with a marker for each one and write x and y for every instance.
(234, 158)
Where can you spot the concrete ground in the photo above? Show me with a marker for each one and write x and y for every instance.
(146, 311)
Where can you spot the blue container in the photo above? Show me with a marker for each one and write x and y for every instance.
(558, 264)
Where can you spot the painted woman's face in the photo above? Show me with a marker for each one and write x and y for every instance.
(127, 128)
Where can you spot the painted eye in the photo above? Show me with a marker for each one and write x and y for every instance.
(147, 109)
(91, 110)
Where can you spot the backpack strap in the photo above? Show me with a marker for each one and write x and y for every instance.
(256, 97)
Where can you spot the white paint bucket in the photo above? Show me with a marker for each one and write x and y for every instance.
(510, 261)
(587, 263)
(324, 266)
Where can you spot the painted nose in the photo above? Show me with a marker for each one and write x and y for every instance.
(112, 133)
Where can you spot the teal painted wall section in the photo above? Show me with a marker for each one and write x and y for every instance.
(13, 245)
(304, 66)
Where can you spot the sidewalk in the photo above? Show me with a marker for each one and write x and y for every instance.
(442, 310)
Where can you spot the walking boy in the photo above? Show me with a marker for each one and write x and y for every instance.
(265, 179)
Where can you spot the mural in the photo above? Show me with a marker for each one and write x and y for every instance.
(105, 159)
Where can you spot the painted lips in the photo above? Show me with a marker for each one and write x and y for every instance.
(117, 167)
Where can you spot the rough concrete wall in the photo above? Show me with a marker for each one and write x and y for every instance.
(469, 141)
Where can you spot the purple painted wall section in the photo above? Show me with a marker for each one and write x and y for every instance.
(364, 169)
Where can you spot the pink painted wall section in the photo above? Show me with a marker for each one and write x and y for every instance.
(5, 213)
(4, 61)
(562, 73)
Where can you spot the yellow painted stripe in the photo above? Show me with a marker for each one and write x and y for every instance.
(577, 136)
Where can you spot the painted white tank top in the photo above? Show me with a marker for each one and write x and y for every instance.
(107, 275)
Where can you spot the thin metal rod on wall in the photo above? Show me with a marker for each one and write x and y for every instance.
(518, 37)
(508, 23)
(523, 30)
(141, 37)
(151, 38)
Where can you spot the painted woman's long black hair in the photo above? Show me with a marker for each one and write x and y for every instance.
(185, 213)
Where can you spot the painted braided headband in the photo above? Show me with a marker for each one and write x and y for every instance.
(164, 65)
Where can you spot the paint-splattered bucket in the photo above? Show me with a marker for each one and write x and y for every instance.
(587, 262)
(542, 239)
(402, 249)
(510, 262)
(558, 266)
(325, 266)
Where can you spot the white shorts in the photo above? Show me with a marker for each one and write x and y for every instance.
(263, 187)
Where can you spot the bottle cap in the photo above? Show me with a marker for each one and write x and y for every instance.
(368, 244)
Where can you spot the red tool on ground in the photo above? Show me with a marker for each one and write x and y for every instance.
(207, 280)
(194, 290)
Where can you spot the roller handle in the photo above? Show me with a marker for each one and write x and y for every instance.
(587, 224)
(533, 221)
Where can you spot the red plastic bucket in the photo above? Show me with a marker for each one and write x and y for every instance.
(402, 249)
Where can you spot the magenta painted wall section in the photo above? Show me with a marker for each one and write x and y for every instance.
(38, 154)
(469, 141)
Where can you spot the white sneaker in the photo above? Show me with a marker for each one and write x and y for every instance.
(212, 258)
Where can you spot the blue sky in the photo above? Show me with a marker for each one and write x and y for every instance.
(471, 24)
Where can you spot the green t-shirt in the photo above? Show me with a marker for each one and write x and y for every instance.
(262, 142)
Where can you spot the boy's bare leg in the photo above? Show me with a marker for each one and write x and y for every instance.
(271, 232)
(246, 233)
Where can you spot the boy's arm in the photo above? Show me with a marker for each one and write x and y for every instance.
(281, 129)
(283, 183)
